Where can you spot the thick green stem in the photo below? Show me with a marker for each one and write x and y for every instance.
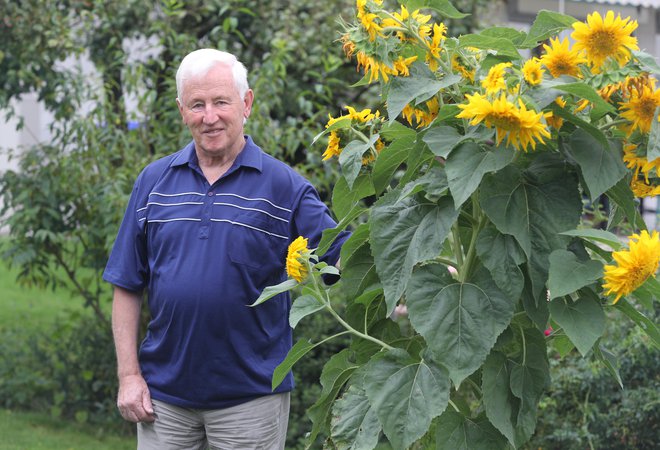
(456, 245)
(354, 331)
(470, 255)
(323, 298)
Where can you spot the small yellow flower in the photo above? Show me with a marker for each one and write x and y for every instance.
(532, 72)
(559, 59)
(555, 121)
(333, 146)
(634, 266)
(459, 65)
(641, 189)
(602, 38)
(402, 65)
(640, 108)
(423, 116)
(494, 81)
(369, 20)
(297, 259)
(522, 127)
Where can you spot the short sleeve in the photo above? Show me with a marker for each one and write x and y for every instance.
(127, 265)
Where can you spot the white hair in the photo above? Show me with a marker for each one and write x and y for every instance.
(199, 62)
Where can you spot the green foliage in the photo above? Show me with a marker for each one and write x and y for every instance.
(65, 202)
(480, 240)
(66, 368)
(586, 408)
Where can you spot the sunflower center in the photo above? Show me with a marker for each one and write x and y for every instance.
(504, 121)
(604, 42)
(646, 108)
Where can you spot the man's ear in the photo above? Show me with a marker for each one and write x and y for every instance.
(249, 98)
(180, 106)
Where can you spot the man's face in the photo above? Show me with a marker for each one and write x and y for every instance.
(214, 112)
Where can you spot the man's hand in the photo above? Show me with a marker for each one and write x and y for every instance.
(134, 400)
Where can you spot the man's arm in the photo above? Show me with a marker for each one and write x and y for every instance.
(133, 400)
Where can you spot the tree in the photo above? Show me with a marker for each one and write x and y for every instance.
(64, 203)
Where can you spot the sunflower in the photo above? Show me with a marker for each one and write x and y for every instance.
(435, 46)
(521, 126)
(368, 19)
(297, 258)
(494, 81)
(555, 121)
(604, 38)
(640, 109)
(641, 189)
(423, 116)
(560, 59)
(458, 64)
(634, 266)
(532, 72)
(333, 146)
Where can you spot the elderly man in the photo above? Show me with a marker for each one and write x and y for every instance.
(206, 230)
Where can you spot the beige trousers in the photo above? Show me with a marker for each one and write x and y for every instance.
(259, 424)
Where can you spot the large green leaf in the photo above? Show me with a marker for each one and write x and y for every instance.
(580, 90)
(443, 139)
(530, 376)
(501, 255)
(350, 158)
(359, 271)
(535, 305)
(583, 320)
(467, 165)
(405, 232)
(389, 160)
(583, 124)
(513, 384)
(460, 322)
(568, 273)
(534, 207)
(420, 86)
(354, 424)
(647, 61)
(601, 167)
(457, 432)
(597, 235)
(334, 376)
(500, 45)
(547, 24)
(344, 198)
(499, 402)
(300, 349)
(444, 7)
(647, 325)
(531, 208)
(406, 394)
(624, 200)
(330, 234)
(271, 291)
(302, 307)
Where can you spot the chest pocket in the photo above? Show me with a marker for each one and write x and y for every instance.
(258, 242)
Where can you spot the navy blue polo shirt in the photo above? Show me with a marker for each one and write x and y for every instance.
(204, 253)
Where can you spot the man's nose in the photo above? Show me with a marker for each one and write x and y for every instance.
(210, 115)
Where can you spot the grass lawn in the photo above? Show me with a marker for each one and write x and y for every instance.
(35, 431)
(32, 308)
(23, 306)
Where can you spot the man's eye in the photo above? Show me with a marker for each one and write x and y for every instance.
(197, 107)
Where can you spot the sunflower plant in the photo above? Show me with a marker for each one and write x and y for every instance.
(469, 191)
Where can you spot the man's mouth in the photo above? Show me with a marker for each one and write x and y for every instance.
(212, 132)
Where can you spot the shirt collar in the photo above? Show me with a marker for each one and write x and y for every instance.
(250, 156)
